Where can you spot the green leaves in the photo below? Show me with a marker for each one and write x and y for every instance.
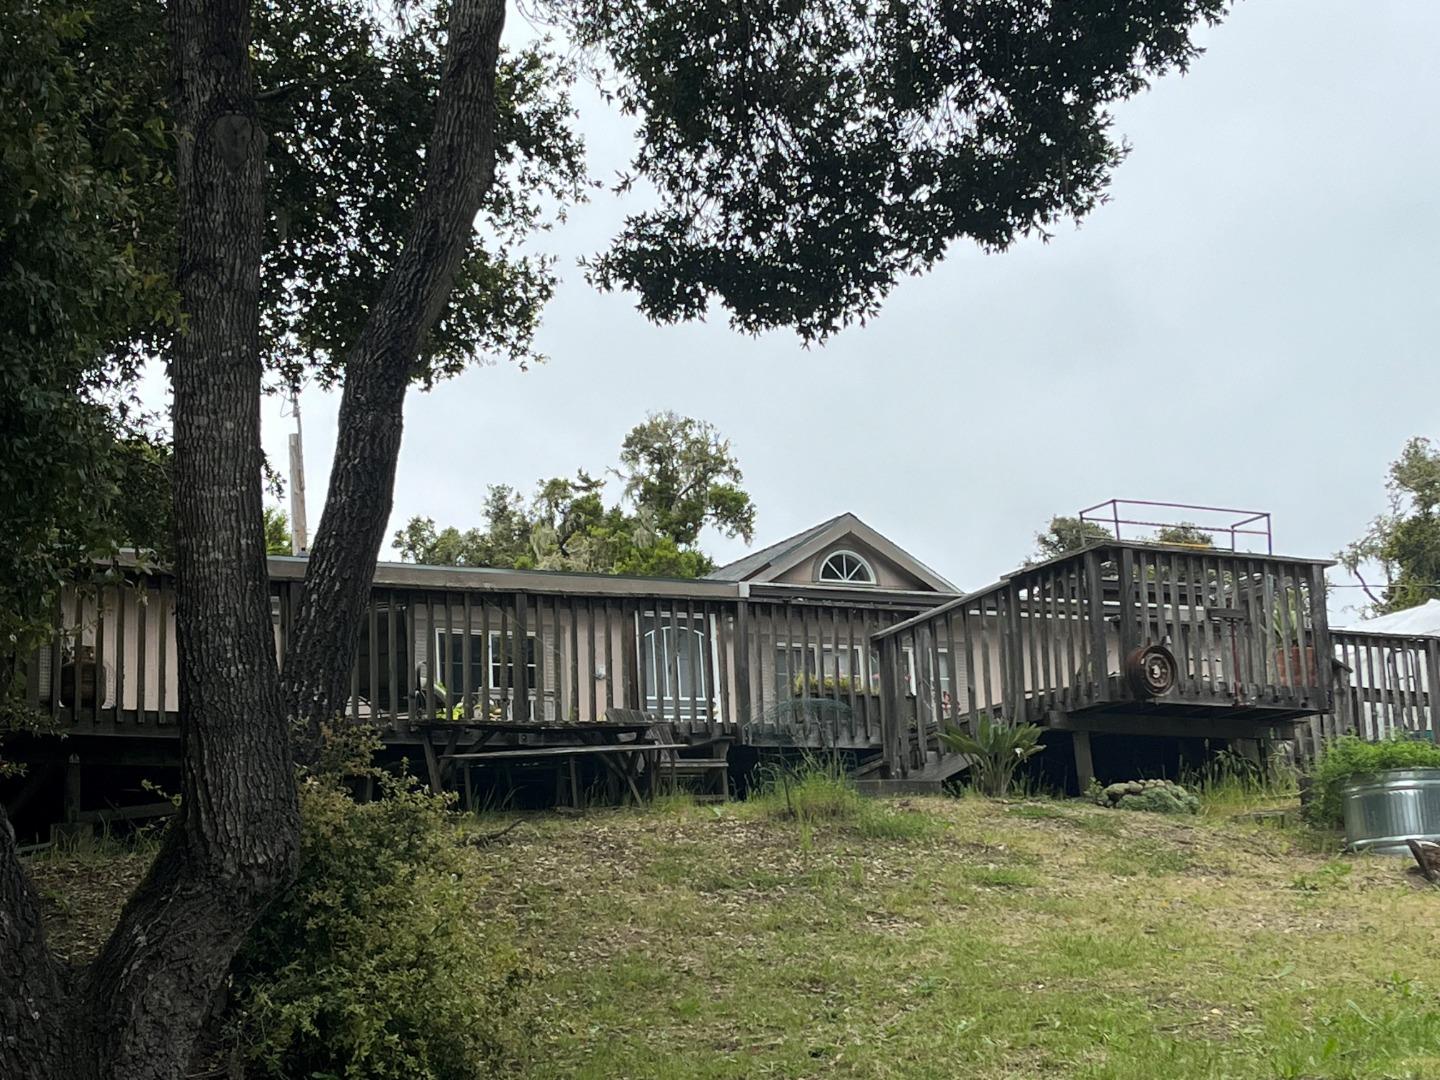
(1347, 757)
(84, 277)
(347, 97)
(1405, 541)
(376, 963)
(996, 751)
(680, 475)
(809, 153)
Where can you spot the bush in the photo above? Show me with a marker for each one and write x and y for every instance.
(1155, 796)
(373, 964)
(996, 750)
(1349, 756)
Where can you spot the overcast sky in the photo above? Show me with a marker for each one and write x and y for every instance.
(1250, 321)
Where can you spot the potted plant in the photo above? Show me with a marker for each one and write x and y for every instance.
(1289, 622)
(1383, 793)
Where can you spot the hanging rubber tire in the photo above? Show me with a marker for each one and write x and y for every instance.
(1151, 671)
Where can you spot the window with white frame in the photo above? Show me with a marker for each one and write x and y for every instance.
(675, 661)
(846, 568)
(495, 649)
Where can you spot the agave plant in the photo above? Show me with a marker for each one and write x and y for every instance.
(996, 750)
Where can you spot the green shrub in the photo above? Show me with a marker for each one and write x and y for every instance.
(374, 963)
(1349, 756)
(1154, 796)
(996, 751)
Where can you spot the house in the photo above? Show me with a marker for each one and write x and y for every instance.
(833, 638)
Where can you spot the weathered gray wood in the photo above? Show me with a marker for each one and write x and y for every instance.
(392, 661)
(572, 608)
(467, 658)
(1105, 723)
(432, 663)
(162, 650)
(97, 664)
(607, 615)
(1129, 616)
(142, 642)
(122, 592)
(743, 687)
(694, 662)
(1179, 639)
(486, 667)
(519, 676)
(506, 658)
(1094, 616)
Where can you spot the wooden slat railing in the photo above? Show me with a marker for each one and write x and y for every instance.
(1386, 685)
(778, 668)
(1247, 632)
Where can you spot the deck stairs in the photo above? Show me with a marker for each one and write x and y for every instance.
(927, 779)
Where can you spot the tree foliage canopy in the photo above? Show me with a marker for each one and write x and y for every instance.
(679, 476)
(1067, 534)
(810, 153)
(1405, 540)
(82, 274)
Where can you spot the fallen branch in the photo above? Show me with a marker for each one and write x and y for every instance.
(486, 839)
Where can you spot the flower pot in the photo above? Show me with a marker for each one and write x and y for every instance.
(1301, 666)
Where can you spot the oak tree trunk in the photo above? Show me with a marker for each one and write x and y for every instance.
(137, 1010)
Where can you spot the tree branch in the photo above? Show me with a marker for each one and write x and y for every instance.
(459, 171)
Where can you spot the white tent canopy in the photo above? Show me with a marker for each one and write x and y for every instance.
(1424, 619)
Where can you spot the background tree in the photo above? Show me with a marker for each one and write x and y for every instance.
(1185, 534)
(1403, 542)
(277, 532)
(803, 157)
(680, 476)
(1067, 534)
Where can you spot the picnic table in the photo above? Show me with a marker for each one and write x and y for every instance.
(624, 760)
(621, 745)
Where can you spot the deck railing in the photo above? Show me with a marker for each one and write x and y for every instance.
(777, 668)
(1386, 686)
(1247, 633)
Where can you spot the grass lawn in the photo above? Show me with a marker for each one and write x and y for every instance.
(938, 938)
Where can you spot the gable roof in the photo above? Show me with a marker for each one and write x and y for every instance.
(769, 563)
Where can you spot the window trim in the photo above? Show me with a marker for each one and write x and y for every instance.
(656, 697)
(848, 553)
(488, 655)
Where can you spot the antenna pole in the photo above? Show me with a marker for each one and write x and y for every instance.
(299, 540)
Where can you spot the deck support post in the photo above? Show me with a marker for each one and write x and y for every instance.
(1084, 763)
(72, 790)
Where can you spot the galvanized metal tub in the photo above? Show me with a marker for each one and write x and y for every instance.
(1384, 809)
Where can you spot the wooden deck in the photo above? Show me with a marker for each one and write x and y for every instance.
(1066, 643)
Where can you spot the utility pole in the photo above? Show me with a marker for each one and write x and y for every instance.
(299, 541)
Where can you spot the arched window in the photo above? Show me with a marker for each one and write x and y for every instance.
(845, 567)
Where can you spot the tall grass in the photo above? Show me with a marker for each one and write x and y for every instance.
(1229, 784)
(818, 793)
